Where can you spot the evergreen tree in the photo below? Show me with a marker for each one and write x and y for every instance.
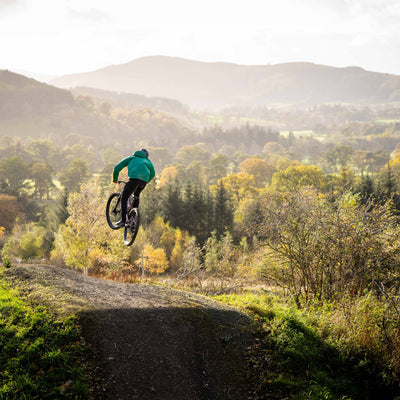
(223, 210)
(57, 213)
(172, 203)
(388, 187)
(150, 203)
(365, 189)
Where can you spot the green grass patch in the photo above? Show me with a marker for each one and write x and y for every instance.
(40, 356)
(387, 121)
(300, 357)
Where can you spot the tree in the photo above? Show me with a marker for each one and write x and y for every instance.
(10, 210)
(295, 177)
(191, 260)
(273, 148)
(76, 174)
(257, 167)
(153, 261)
(365, 189)
(160, 157)
(14, 172)
(188, 154)
(219, 259)
(41, 174)
(85, 238)
(223, 211)
(388, 185)
(218, 167)
(44, 151)
(339, 156)
(362, 160)
(172, 204)
(317, 249)
(105, 108)
(57, 213)
(238, 185)
(168, 175)
(196, 172)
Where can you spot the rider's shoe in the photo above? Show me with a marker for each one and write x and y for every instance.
(120, 224)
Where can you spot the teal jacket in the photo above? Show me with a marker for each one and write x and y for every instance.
(139, 167)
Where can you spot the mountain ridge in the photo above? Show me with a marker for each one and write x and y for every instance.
(219, 84)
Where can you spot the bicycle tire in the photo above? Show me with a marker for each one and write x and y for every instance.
(132, 226)
(113, 210)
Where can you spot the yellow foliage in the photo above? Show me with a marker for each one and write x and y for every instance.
(240, 185)
(1, 230)
(154, 260)
(168, 174)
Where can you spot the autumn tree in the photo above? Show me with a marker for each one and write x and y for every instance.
(295, 177)
(85, 237)
(10, 210)
(153, 261)
(258, 168)
(239, 186)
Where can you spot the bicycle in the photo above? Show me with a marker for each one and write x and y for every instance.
(113, 215)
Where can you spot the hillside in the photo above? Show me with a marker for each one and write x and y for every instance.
(20, 95)
(149, 342)
(217, 85)
(29, 108)
(132, 100)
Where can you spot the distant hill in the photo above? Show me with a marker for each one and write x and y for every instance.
(31, 109)
(218, 85)
(20, 95)
(35, 75)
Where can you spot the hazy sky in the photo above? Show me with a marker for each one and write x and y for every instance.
(65, 36)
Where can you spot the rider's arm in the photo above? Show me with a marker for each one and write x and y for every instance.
(117, 169)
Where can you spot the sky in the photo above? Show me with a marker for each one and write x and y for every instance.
(58, 37)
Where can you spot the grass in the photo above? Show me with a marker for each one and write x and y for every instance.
(40, 356)
(387, 121)
(299, 358)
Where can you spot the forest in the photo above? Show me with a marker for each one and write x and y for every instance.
(254, 206)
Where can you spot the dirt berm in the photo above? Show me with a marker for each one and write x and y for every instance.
(149, 342)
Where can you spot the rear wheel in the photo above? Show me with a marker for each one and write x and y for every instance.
(113, 210)
(132, 226)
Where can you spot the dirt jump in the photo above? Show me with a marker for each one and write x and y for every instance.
(149, 342)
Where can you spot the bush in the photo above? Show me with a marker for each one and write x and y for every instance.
(25, 243)
(320, 250)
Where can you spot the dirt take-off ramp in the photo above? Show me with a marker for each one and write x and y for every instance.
(150, 342)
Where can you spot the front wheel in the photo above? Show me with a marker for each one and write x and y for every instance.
(113, 210)
(132, 226)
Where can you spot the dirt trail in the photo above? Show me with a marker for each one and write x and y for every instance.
(150, 342)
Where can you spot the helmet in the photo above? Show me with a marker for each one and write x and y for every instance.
(145, 151)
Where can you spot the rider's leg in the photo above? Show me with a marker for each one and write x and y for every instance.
(128, 190)
(140, 185)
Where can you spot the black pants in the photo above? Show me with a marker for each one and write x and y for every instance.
(134, 186)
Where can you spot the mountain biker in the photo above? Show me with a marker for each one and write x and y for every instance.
(140, 172)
